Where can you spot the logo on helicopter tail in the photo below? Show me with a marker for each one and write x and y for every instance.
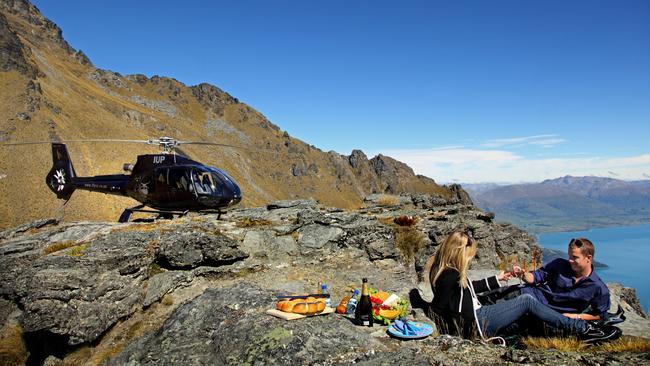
(59, 184)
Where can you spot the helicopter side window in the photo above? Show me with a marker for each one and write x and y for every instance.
(179, 179)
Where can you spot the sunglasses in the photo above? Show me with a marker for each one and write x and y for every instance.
(577, 242)
(470, 237)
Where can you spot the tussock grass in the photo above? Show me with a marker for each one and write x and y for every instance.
(65, 245)
(627, 344)
(12, 347)
(154, 269)
(77, 251)
(143, 227)
(386, 220)
(623, 344)
(78, 356)
(408, 240)
(59, 246)
(387, 200)
(249, 222)
(167, 300)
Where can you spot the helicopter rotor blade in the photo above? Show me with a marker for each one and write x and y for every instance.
(224, 145)
(182, 152)
(66, 141)
(167, 144)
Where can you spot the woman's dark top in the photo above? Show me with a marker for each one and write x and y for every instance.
(452, 304)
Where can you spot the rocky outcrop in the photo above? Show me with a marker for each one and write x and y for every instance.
(12, 56)
(48, 31)
(212, 98)
(200, 286)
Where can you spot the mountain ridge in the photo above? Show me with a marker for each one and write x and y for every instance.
(50, 91)
(568, 203)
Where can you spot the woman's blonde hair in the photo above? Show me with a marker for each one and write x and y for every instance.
(455, 252)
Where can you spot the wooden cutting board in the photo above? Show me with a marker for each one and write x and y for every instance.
(293, 316)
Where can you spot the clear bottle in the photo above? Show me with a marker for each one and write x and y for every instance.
(352, 304)
(363, 313)
(328, 300)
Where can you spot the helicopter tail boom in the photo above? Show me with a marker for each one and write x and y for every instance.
(60, 177)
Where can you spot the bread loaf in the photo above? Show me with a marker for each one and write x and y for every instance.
(300, 308)
(307, 306)
(320, 306)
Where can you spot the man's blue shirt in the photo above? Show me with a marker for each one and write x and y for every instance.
(555, 286)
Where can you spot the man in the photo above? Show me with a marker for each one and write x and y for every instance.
(571, 286)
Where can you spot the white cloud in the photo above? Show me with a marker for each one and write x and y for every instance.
(476, 165)
(537, 140)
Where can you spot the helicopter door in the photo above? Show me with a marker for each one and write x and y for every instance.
(176, 185)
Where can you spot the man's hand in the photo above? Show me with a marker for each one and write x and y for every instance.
(525, 276)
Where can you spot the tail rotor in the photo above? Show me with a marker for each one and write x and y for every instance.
(59, 179)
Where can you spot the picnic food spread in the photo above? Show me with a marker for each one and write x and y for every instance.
(367, 307)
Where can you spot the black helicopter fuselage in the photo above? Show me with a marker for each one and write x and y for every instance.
(166, 182)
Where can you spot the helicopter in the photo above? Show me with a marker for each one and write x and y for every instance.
(169, 183)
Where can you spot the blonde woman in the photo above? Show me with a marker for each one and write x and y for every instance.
(457, 310)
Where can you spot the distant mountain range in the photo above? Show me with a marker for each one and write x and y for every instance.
(566, 203)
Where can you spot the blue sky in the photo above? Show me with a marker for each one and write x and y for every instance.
(469, 91)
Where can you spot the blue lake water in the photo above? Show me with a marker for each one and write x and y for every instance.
(625, 250)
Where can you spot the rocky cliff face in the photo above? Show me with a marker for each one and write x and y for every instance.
(194, 290)
(50, 91)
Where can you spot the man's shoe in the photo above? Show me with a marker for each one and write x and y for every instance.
(594, 334)
(614, 318)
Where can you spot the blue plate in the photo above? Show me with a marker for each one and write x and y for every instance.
(422, 330)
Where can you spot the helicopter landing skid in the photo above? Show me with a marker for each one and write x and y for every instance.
(126, 215)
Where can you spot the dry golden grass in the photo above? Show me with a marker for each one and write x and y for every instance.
(59, 246)
(623, 344)
(249, 222)
(78, 356)
(167, 300)
(12, 346)
(627, 344)
(143, 227)
(385, 220)
(77, 251)
(408, 240)
(387, 200)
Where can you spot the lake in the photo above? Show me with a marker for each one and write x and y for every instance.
(625, 250)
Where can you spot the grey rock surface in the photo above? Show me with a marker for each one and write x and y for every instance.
(199, 287)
